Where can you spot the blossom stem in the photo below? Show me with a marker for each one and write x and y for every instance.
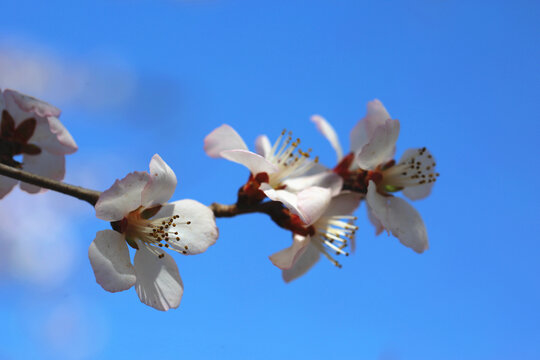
(90, 196)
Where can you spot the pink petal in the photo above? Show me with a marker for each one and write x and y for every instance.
(196, 225)
(399, 217)
(30, 104)
(109, 257)
(122, 197)
(381, 146)
(305, 262)
(343, 204)
(329, 133)
(254, 162)
(312, 203)
(374, 221)
(44, 164)
(158, 284)
(162, 183)
(325, 178)
(223, 138)
(6, 185)
(286, 258)
(263, 146)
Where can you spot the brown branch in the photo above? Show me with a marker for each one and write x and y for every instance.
(90, 196)
(274, 209)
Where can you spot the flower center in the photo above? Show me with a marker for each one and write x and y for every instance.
(288, 163)
(416, 169)
(332, 235)
(160, 232)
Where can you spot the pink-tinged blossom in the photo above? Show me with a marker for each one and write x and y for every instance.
(329, 233)
(139, 213)
(370, 169)
(280, 171)
(30, 127)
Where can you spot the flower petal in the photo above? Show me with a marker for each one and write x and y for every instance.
(223, 138)
(109, 257)
(52, 136)
(162, 183)
(254, 162)
(329, 133)
(307, 259)
(427, 166)
(381, 146)
(374, 221)
(362, 132)
(313, 202)
(286, 258)
(326, 179)
(28, 104)
(158, 284)
(343, 204)
(196, 225)
(263, 146)
(399, 217)
(6, 185)
(44, 164)
(122, 197)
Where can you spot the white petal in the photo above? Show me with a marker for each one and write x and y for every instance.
(399, 217)
(122, 197)
(199, 234)
(254, 162)
(329, 133)
(223, 138)
(109, 256)
(158, 282)
(286, 258)
(343, 204)
(162, 183)
(28, 104)
(263, 146)
(374, 221)
(44, 164)
(419, 191)
(305, 262)
(326, 179)
(52, 136)
(6, 185)
(313, 202)
(363, 130)
(380, 147)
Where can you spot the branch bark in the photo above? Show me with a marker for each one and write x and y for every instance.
(90, 196)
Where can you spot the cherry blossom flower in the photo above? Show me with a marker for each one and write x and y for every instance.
(276, 170)
(30, 127)
(329, 232)
(370, 169)
(138, 210)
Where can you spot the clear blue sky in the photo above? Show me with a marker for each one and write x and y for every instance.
(134, 78)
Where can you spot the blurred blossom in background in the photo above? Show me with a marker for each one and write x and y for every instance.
(143, 77)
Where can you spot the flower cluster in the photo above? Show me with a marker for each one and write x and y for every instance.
(30, 127)
(318, 202)
(314, 202)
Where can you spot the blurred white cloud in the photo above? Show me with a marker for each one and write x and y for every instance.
(98, 82)
(37, 237)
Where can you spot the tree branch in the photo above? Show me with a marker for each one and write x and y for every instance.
(90, 196)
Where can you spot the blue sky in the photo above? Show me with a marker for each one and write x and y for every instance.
(134, 78)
